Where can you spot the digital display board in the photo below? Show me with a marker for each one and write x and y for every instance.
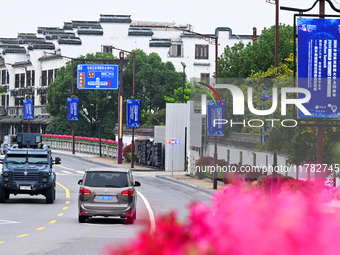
(318, 69)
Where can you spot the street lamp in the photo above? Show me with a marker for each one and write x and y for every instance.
(73, 132)
(27, 96)
(184, 65)
(133, 97)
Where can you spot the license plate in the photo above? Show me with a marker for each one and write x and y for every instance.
(107, 198)
(25, 187)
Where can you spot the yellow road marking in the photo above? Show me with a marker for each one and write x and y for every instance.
(40, 228)
(67, 202)
(60, 214)
(23, 235)
(66, 190)
(53, 221)
(1, 242)
(65, 208)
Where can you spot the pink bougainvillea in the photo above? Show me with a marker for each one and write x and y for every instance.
(244, 220)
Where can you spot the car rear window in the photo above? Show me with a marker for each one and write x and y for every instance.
(106, 179)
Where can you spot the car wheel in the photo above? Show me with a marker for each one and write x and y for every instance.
(2, 196)
(7, 195)
(50, 195)
(135, 215)
(82, 219)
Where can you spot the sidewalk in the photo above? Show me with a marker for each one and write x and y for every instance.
(204, 185)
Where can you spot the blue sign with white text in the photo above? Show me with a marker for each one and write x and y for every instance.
(91, 76)
(28, 109)
(318, 66)
(133, 113)
(215, 112)
(72, 108)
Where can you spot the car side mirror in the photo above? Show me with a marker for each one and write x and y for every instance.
(137, 184)
(80, 182)
(57, 161)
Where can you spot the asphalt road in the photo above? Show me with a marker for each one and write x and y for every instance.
(30, 226)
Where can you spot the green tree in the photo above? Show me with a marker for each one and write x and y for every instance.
(239, 61)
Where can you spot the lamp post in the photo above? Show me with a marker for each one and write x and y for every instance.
(133, 97)
(27, 96)
(184, 65)
(73, 133)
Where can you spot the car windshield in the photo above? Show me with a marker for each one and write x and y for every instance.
(16, 158)
(37, 158)
(106, 179)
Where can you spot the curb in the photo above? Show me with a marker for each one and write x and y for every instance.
(186, 184)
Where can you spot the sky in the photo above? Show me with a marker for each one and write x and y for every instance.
(241, 16)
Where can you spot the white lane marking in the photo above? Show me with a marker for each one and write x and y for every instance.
(66, 168)
(151, 214)
(80, 172)
(66, 172)
(8, 222)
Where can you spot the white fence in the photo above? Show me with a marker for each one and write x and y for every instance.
(90, 148)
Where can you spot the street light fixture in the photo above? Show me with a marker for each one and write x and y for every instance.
(121, 55)
(27, 96)
(184, 65)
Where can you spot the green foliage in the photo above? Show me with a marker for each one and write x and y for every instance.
(153, 118)
(239, 61)
(177, 96)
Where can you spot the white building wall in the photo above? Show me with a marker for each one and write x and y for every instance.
(176, 121)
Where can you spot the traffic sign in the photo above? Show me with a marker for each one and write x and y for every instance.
(97, 76)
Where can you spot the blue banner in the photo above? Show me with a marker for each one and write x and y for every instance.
(133, 113)
(28, 109)
(92, 76)
(318, 69)
(72, 109)
(215, 112)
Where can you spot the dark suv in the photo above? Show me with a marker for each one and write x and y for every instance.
(107, 192)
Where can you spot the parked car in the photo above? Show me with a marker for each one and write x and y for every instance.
(107, 192)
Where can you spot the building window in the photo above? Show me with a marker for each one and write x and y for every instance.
(3, 100)
(205, 77)
(18, 101)
(22, 80)
(107, 49)
(3, 77)
(17, 80)
(55, 73)
(42, 100)
(30, 78)
(44, 78)
(201, 51)
(176, 50)
(50, 76)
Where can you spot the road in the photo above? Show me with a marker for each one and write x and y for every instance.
(30, 226)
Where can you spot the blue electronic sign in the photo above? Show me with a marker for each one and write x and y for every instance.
(72, 108)
(104, 77)
(318, 69)
(133, 113)
(215, 111)
(28, 109)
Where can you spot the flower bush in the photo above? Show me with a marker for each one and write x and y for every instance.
(244, 220)
(81, 139)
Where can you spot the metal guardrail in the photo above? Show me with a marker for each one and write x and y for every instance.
(89, 148)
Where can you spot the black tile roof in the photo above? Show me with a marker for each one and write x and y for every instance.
(115, 18)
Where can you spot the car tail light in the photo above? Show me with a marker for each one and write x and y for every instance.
(128, 192)
(84, 191)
